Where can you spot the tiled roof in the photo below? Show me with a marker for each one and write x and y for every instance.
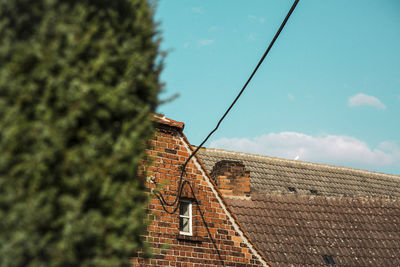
(269, 174)
(300, 230)
(352, 218)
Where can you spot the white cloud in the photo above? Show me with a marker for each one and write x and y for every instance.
(251, 36)
(206, 42)
(330, 149)
(197, 10)
(213, 28)
(291, 97)
(309, 96)
(253, 18)
(365, 100)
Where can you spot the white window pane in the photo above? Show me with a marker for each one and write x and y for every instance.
(184, 209)
(184, 225)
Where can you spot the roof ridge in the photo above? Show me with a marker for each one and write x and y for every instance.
(256, 195)
(303, 163)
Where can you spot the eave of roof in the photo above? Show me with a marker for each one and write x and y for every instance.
(160, 118)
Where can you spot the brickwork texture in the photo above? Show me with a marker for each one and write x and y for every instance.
(214, 241)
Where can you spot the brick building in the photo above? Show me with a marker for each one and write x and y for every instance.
(203, 231)
(252, 210)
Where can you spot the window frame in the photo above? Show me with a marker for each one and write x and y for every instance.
(190, 217)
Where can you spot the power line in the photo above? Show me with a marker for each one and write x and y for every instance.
(181, 181)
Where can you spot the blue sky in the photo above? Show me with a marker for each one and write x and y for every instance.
(328, 92)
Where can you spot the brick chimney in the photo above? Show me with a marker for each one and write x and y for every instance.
(231, 178)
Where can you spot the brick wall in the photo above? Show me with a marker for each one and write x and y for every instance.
(216, 240)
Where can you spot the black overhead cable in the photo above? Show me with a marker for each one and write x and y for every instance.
(181, 181)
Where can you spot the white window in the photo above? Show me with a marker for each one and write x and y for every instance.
(185, 217)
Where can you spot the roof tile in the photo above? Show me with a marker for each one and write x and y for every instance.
(354, 215)
(340, 226)
(270, 174)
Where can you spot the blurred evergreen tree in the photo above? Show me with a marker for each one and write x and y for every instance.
(79, 81)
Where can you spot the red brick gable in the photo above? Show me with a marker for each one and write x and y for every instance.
(217, 239)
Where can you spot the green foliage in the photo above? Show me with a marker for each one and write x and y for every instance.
(78, 85)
